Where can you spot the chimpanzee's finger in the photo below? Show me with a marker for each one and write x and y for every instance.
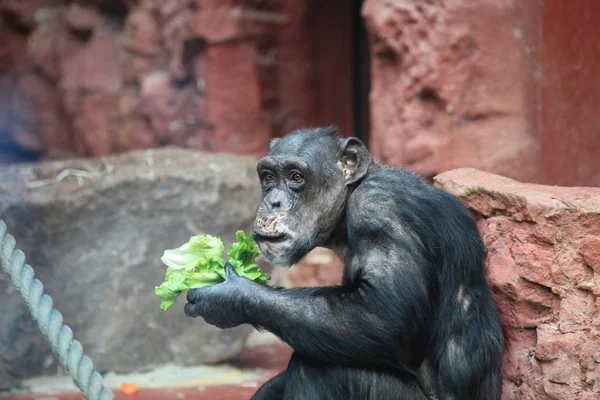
(194, 295)
(192, 310)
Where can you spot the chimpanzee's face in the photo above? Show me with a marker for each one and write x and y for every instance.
(304, 195)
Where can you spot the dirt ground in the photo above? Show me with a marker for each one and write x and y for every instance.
(263, 357)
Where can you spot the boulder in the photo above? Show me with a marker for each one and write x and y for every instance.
(94, 231)
(543, 259)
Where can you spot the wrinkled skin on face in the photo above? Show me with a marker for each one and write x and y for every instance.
(306, 181)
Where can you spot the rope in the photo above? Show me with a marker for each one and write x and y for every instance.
(50, 320)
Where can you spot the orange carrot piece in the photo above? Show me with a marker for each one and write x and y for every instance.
(129, 388)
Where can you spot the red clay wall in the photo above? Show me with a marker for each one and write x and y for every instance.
(505, 86)
(511, 87)
(449, 86)
(93, 78)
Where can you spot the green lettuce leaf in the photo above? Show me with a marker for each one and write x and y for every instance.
(199, 263)
(198, 249)
(244, 250)
(242, 256)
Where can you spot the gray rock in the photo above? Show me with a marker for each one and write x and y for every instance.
(95, 241)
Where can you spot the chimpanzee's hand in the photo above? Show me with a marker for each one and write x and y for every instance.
(222, 305)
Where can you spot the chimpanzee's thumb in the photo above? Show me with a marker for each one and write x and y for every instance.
(230, 271)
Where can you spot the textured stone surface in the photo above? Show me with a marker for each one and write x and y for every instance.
(145, 74)
(449, 86)
(51, 44)
(13, 51)
(82, 18)
(321, 267)
(543, 246)
(21, 12)
(231, 85)
(38, 119)
(96, 241)
(224, 75)
(90, 90)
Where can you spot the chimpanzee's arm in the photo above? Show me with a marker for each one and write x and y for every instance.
(367, 322)
(381, 315)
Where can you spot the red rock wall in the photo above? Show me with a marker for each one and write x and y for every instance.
(93, 77)
(451, 85)
(544, 267)
(98, 78)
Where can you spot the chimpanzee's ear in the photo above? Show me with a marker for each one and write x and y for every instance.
(354, 159)
(273, 143)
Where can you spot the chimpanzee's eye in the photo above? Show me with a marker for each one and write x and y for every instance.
(268, 177)
(296, 177)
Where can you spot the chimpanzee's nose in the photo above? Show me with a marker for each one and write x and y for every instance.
(274, 200)
(275, 204)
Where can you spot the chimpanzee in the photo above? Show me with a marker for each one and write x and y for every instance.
(413, 317)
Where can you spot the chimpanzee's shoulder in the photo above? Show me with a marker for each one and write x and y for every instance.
(379, 196)
(388, 181)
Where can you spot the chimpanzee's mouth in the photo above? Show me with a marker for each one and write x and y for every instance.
(268, 237)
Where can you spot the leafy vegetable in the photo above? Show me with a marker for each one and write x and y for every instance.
(199, 263)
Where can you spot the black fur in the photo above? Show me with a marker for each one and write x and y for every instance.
(413, 316)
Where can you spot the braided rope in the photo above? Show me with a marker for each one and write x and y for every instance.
(50, 320)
